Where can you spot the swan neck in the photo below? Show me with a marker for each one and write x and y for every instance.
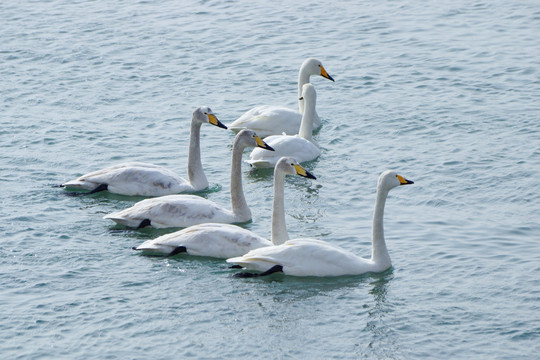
(306, 126)
(303, 78)
(279, 227)
(379, 254)
(196, 175)
(239, 205)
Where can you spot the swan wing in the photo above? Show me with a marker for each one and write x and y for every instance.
(172, 211)
(133, 179)
(210, 239)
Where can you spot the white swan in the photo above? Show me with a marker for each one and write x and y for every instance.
(226, 240)
(186, 210)
(143, 179)
(310, 257)
(301, 146)
(269, 120)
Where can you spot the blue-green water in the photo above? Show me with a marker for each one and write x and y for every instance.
(447, 93)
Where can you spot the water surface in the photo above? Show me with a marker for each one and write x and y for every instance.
(446, 93)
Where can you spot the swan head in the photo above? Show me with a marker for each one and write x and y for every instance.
(290, 166)
(248, 138)
(204, 114)
(391, 179)
(314, 67)
(309, 93)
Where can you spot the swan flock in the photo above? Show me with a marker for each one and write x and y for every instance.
(282, 139)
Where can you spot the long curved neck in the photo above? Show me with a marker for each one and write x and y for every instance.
(196, 175)
(306, 126)
(238, 201)
(279, 227)
(379, 252)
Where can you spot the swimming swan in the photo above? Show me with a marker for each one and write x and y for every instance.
(186, 210)
(269, 120)
(301, 146)
(311, 257)
(143, 179)
(226, 240)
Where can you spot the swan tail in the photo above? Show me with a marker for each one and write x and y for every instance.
(128, 222)
(159, 249)
(80, 184)
(94, 188)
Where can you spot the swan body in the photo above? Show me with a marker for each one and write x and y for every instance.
(211, 239)
(187, 210)
(269, 120)
(301, 146)
(312, 257)
(226, 240)
(143, 179)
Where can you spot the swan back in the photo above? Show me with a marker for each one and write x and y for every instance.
(208, 239)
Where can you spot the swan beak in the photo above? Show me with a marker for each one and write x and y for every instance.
(403, 181)
(325, 74)
(262, 144)
(303, 172)
(212, 119)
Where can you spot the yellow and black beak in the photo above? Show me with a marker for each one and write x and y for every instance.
(303, 172)
(403, 181)
(325, 74)
(212, 119)
(262, 144)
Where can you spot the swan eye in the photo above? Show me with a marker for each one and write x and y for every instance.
(301, 98)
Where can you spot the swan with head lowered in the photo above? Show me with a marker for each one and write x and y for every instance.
(227, 240)
(143, 179)
(269, 120)
(301, 146)
(311, 257)
(186, 210)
